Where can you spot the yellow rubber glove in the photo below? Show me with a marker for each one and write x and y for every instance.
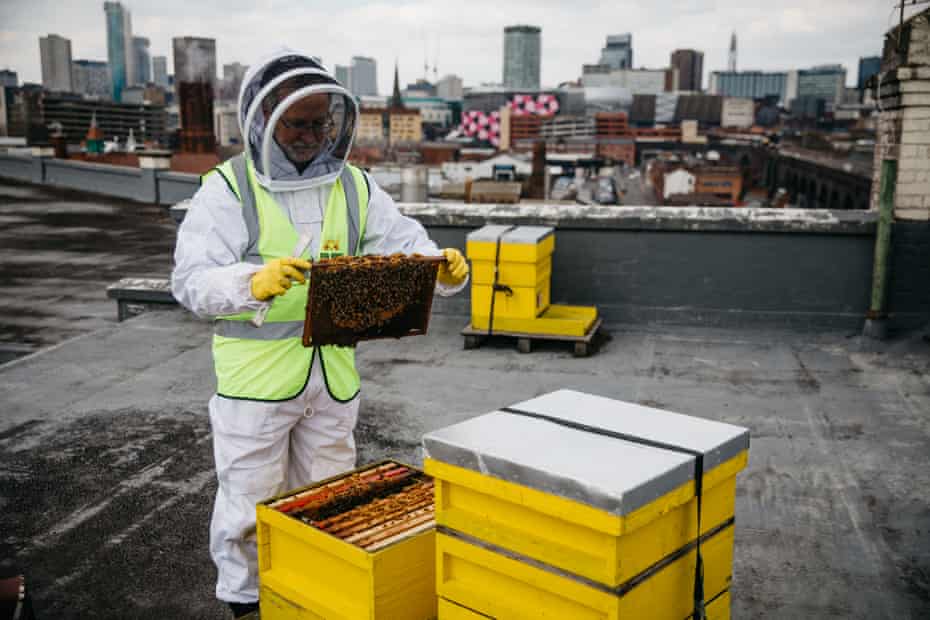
(278, 276)
(454, 271)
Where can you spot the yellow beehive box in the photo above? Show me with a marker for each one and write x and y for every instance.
(512, 273)
(520, 302)
(585, 484)
(450, 610)
(516, 258)
(308, 574)
(718, 608)
(488, 583)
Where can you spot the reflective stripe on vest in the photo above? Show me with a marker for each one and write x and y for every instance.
(270, 362)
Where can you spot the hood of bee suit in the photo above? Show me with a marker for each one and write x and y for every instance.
(298, 122)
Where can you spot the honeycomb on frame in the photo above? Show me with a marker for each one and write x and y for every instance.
(355, 298)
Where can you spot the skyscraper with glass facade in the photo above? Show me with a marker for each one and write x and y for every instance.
(55, 53)
(140, 49)
(119, 48)
(522, 56)
(618, 53)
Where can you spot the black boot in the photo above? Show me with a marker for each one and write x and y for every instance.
(241, 610)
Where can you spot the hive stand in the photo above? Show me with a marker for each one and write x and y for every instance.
(583, 345)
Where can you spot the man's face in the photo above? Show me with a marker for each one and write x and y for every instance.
(302, 130)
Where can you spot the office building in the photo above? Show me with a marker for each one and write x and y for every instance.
(160, 71)
(618, 52)
(690, 65)
(55, 52)
(226, 125)
(91, 78)
(343, 75)
(371, 126)
(363, 76)
(449, 87)
(868, 66)
(751, 84)
(827, 82)
(147, 122)
(120, 57)
(21, 112)
(195, 82)
(143, 60)
(405, 126)
(634, 81)
(194, 60)
(522, 56)
(233, 74)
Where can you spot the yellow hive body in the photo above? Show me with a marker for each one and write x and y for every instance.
(523, 303)
(511, 273)
(524, 533)
(569, 535)
(717, 609)
(498, 586)
(308, 574)
(449, 610)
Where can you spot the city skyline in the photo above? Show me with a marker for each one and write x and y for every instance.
(793, 36)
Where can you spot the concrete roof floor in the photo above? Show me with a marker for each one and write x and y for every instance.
(106, 476)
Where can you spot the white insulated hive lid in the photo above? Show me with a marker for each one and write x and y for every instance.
(489, 232)
(527, 235)
(614, 474)
(524, 235)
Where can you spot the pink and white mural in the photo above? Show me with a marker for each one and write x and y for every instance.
(486, 125)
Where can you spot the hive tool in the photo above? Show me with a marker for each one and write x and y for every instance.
(258, 319)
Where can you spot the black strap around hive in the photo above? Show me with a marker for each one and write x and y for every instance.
(699, 612)
(497, 287)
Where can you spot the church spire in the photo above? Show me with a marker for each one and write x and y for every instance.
(397, 102)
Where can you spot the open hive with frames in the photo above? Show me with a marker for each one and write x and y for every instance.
(371, 508)
(355, 298)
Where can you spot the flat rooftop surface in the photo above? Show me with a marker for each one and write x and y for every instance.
(106, 472)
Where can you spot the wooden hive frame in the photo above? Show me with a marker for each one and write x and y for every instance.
(372, 298)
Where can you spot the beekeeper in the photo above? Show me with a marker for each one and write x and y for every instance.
(283, 415)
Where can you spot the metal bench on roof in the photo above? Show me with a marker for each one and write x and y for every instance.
(136, 295)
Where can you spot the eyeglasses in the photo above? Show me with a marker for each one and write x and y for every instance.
(318, 127)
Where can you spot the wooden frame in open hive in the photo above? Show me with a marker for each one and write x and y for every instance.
(355, 298)
(308, 573)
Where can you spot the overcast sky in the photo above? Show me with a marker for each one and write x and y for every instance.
(466, 36)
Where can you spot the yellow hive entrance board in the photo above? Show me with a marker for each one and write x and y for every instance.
(308, 574)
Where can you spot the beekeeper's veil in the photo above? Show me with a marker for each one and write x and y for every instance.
(297, 121)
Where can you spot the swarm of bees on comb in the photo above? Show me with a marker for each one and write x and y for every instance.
(362, 294)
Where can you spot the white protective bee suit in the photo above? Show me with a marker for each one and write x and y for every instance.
(264, 448)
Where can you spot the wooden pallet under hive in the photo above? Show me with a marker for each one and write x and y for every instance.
(355, 298)
(360, 545)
